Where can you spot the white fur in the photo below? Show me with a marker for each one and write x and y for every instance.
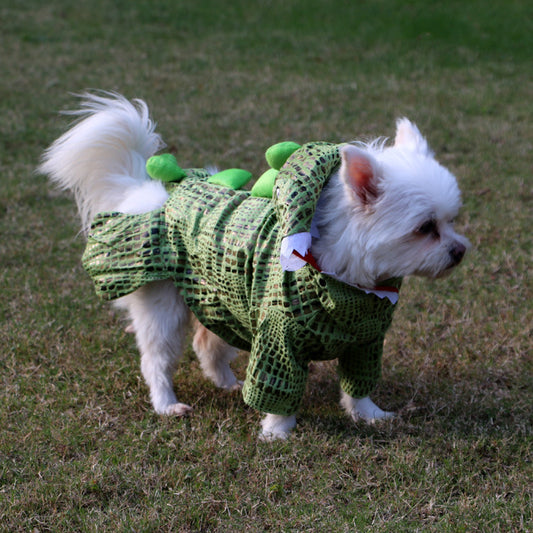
(102, 158)
(275, 427)
(368, 232)
(367, 244)
(364, 408)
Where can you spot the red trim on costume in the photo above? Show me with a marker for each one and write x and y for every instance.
(308, 258)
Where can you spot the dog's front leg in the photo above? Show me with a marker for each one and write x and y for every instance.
(276, 427)
(364, 408)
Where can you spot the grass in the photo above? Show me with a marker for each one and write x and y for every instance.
(81, 450)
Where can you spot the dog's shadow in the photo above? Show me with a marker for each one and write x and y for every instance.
(480, 406)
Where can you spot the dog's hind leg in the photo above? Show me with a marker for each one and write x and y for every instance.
(159, 318)
(215, 355)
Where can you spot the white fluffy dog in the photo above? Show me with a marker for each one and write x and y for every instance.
(385, 212)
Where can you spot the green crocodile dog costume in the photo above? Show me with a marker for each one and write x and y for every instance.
(221, 247)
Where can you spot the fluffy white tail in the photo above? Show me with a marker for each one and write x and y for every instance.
(102, 158)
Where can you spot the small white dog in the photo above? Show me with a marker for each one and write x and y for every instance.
(380, 213)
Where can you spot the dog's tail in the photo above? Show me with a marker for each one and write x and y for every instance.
(102, 158)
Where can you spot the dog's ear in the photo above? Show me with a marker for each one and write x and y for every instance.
(408, 136)
(359, 173)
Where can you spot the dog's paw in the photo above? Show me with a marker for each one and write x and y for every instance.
(235, 386)
(364, 409)
(377, 416)
(276, 427)
(176, 409)
(272, 437)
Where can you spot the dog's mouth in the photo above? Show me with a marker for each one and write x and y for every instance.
(445, 273)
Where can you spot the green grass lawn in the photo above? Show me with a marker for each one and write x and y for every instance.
(80, 448)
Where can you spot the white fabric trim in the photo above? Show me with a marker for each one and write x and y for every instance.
(301, 242)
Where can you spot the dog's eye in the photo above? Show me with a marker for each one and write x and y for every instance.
(429, 228)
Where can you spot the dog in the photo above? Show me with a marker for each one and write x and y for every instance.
(321, 261)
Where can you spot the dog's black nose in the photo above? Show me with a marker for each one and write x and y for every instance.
(457, 252)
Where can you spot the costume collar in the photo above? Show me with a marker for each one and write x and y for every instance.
(296, 253)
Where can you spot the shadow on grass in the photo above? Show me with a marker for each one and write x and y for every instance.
(477, 406)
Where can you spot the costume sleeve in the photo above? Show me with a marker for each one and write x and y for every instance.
(360, 368)
(275, 378)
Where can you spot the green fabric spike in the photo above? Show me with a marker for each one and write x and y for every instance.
(164, 167)
(276, 157)
(264, 186)
(233, 178)
(278, 154)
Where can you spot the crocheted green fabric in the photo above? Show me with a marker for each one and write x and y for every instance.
(221, 248)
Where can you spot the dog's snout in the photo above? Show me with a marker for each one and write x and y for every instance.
(457, 252)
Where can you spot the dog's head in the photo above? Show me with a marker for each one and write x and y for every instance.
(393, 212)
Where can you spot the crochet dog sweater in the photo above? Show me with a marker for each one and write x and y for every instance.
(221, 248)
